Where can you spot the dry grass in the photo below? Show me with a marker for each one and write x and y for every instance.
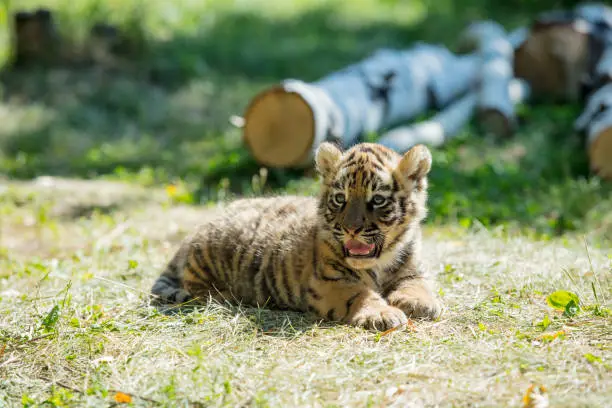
(93, 250)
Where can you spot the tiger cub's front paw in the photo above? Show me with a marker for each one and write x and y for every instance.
(379, 317)
(423, 307)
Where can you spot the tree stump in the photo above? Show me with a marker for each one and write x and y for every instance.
(35, 38)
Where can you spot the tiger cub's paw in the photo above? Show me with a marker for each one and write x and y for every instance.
(415, 308)
(379, 317)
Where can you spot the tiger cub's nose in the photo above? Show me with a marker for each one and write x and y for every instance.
(353, 229)
(354, 218)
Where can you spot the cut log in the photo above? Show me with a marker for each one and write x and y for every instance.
(35, 38)
(600, 146)
(433, 132)
(495, 109)
(556, 56)
(603, 70)
(593, 21)
(283, 125)
(446, 124)
(279, 126)
(596, 122)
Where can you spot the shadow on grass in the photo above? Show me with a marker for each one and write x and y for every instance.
(167, 117)
(271, 322)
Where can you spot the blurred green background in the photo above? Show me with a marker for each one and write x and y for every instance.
(162, 116)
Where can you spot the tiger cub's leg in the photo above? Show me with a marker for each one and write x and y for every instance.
(415, 297)
(354, 303)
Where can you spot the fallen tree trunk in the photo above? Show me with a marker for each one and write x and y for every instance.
(494, 99)
(446, 124)
(283, 125)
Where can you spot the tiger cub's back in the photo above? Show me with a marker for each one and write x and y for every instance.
(257, 251)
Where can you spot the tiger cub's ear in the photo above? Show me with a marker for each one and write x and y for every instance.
(327, 158)
(415, 163)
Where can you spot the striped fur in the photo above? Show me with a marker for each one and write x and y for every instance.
(292, 252)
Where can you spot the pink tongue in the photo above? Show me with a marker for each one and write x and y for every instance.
(358, 248)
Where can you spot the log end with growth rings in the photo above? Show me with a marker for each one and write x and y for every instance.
(279, 128)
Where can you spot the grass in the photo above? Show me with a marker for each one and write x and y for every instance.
(497, 336)
(143, 150)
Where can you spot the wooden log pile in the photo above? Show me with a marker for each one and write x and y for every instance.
(563, 56)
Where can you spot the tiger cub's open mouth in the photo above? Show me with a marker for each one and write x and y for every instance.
(355, 248)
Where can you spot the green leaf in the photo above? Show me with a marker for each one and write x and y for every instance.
(561, 298)
(592, 359)
(544, 323)
(571, 309)
(52, 317)
(132, 264)
(465, 222)
(26, 401)
(601, 311)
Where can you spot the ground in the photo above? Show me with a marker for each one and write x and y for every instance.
(99, 246)
(140, 153)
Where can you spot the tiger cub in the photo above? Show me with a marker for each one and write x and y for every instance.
(351, 255)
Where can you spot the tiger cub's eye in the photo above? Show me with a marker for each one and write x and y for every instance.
(378, 200)
(339, 198)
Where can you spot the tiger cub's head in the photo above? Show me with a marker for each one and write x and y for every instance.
(372, 199)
